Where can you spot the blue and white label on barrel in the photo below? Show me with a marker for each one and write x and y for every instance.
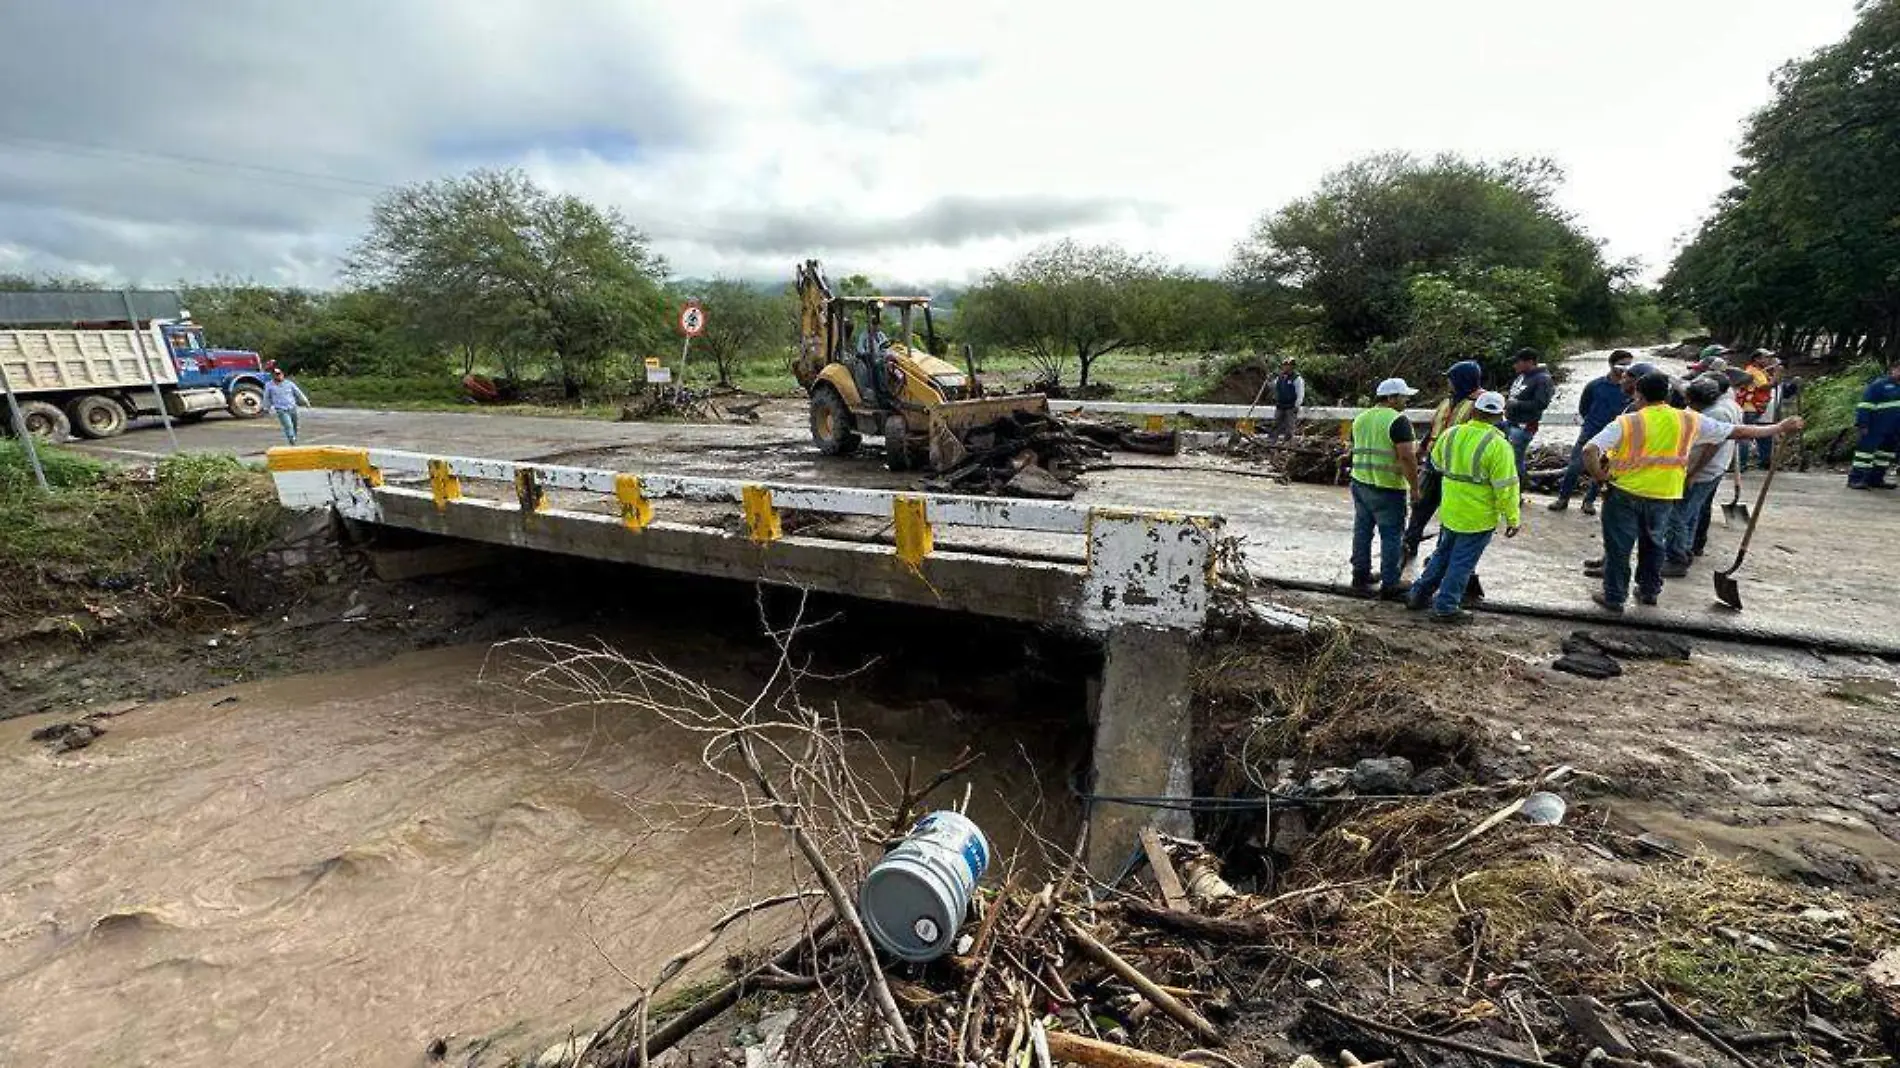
(957, 835)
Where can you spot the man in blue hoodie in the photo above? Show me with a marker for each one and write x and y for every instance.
(1467, 381)
(1531, 392)
(1878, 419)
(1603, 400)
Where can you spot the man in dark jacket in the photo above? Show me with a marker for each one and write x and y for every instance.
(1603, 400)
(1531, 392)
(1467, 381)
(1289, 395)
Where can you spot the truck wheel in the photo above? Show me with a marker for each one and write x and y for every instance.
(247, 400)
(94, 416)
(46, 422)
(831, 423)
(896, 444)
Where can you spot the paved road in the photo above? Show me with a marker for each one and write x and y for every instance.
(1819, 570)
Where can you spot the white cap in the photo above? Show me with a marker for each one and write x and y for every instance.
(1490, 403)
(1395, 387)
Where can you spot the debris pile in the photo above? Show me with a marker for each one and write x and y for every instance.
(1318, 456)
(1026, 454)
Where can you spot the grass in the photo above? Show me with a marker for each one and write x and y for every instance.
(1828, 406)
(105, 529)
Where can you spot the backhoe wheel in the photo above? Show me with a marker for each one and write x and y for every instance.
(94, 416)
(831, 423)
(896, 444)
(45, 421)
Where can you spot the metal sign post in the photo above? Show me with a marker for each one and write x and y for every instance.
(151, 376)
(692, 324)
(19, 429)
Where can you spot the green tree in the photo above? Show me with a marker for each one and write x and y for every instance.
(492, 259)
(1353, 247)
(1805, 247)
(742, 321)
(1066, 302)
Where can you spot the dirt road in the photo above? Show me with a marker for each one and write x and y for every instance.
(1814, 575)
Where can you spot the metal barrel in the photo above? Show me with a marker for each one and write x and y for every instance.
(914, 899)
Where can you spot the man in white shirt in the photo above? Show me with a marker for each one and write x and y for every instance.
(1709, 394)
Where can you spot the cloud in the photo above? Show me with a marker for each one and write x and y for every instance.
(190, 138)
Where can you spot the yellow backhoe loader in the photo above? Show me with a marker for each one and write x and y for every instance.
(863, 382)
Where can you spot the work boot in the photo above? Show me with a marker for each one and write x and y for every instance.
(1474, 592)
(1676, 569)
(1589, 508)
(1458, 618)
(1395, 592)
(1606, 604)
(1647, 600)
(1561, 504)
(1364, 588)
(1883, 486)
(1593, 568)
(1417, 604)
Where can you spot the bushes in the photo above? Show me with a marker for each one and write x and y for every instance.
(119, 530)
(1828, 405)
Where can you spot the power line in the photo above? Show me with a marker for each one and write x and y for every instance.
(285, 175)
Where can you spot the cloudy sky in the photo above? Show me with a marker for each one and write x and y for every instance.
(166, 139)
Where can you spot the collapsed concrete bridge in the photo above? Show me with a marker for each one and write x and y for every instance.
(1136, 580)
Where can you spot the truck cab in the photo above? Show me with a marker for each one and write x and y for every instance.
(238, 374)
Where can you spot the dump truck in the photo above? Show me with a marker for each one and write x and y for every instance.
(864, 383)
(93, 376)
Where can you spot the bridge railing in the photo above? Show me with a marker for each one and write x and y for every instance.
(1140, 566)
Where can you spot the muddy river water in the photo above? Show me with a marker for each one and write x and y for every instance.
(340, 867)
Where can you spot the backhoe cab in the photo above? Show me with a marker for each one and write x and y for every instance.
(863, 381)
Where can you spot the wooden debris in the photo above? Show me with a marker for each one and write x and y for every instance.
(1133, 976)
(1882, 983)
(1075, 1049)
(1173, 894)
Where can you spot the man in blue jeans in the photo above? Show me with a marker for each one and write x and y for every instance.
(1480, 491)
(1645, 456)
(282, 396)
(1531, 392)
(1603, 400)
(1384, 478)
(1708, 394)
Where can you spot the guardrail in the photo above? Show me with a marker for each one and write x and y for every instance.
(1142, 567)
(1240, 413)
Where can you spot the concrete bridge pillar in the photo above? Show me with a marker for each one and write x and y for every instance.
(1143, 740)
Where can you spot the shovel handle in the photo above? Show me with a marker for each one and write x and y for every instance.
(1761, 498)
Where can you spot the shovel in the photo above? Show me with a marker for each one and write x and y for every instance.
(1726, 590)
(1735, 510)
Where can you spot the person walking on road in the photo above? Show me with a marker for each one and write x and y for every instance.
(1707, 464)
(1289, 396)
(1878, 418)
(1644, 457)
(1531, 392)
(1480, 491)
(1467, 381)
(283, 396)
(1384, 477)
(1603, 400)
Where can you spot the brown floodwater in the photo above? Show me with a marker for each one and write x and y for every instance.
(341, 867)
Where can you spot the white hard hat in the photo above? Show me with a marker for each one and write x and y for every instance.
(1490, 403)
(1395, 387)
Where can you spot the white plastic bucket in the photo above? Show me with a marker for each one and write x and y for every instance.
(914, 899)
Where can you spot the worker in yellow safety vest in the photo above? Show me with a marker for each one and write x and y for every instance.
(1644, 458)
(1479, 469)
(1384, 479)
(1465, 380)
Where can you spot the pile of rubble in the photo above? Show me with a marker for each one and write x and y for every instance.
(1025, 454)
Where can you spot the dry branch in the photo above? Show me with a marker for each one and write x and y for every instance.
(1075, 1049)
(1166, 1002)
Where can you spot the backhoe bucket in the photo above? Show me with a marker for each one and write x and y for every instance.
(952, 421)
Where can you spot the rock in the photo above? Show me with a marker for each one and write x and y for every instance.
(1328, 781)
(1817, 914)
(1888, 803)
(1381, 775)
(66, 737)
(562, 1053)
(1881, 981)
(1645, 1010)
(1306, 1060)
(1433, 781)
(355, 613)
(1588, 665)
(1669, 1058)
(1035, 482)
(1591, 1021)
(770, 1050)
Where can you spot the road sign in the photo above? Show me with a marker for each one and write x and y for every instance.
(653, 361)
(692, 320)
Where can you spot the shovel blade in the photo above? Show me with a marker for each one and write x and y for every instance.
(1734, 513)
(1728, 591)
